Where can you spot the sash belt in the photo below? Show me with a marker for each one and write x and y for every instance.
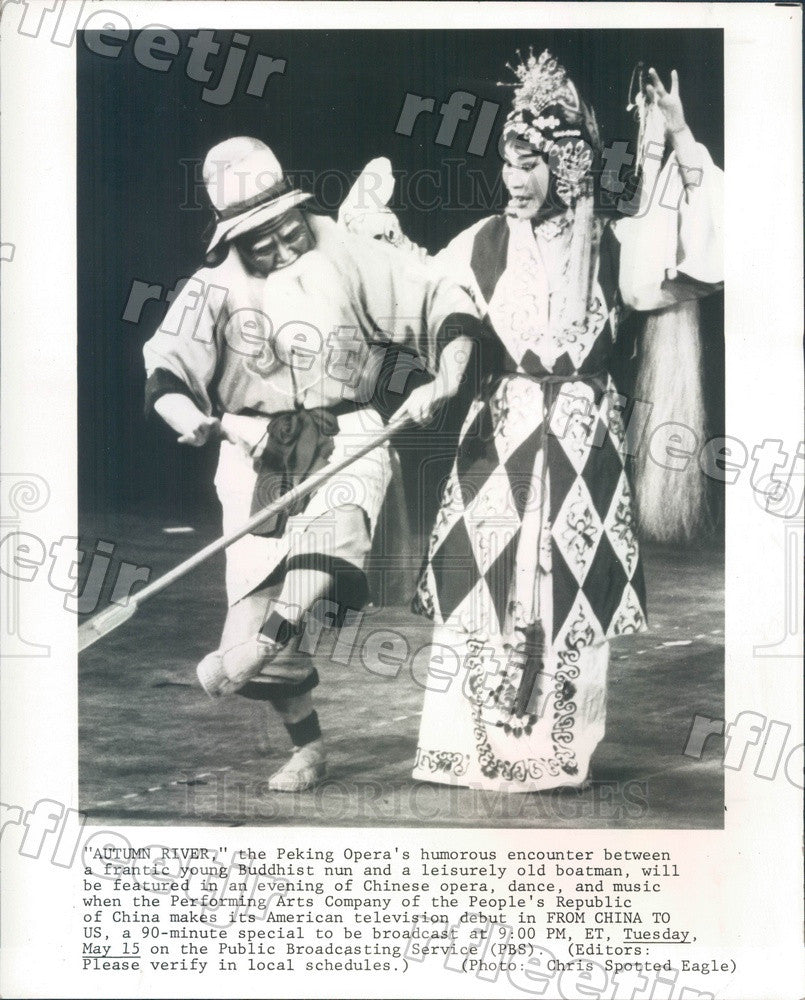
(296, 444)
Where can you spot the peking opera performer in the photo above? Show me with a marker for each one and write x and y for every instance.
(279, 346)
(533, 564)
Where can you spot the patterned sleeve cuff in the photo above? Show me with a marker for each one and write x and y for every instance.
(161, 382)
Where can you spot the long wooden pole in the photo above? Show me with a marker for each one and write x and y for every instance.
(112, 617)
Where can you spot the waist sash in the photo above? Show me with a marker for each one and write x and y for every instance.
(296, 444)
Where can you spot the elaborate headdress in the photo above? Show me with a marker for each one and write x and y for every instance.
(548, 114)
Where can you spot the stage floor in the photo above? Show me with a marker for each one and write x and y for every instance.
(153, 749)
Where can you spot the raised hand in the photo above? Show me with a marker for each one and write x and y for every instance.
(668, 101)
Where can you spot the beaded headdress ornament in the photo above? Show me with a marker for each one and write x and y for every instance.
(548, 114)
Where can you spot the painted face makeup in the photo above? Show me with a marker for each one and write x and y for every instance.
(277, 244)
(526, 175)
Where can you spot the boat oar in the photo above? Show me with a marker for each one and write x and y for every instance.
(116, 615)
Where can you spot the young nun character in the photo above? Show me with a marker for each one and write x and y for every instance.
(533, 564)
(275, 348)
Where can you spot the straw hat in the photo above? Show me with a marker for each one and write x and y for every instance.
(246, 186)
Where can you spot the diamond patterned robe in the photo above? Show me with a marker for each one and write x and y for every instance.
(536, 523)
(496, 526)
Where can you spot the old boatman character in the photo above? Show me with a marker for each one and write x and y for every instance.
(276, 349)
(533, 562)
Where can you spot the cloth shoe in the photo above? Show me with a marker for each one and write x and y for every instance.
(305, 769)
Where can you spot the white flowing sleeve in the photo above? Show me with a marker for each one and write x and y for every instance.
(673, 249)
(365, 213)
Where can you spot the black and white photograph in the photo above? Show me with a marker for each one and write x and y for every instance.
(498, 255)
(401, 502)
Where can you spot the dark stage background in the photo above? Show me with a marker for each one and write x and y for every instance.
(335, 106)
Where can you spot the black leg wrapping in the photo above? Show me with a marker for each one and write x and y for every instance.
(349, 591)
(349, 588)
(268, 690)
(305, 731)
